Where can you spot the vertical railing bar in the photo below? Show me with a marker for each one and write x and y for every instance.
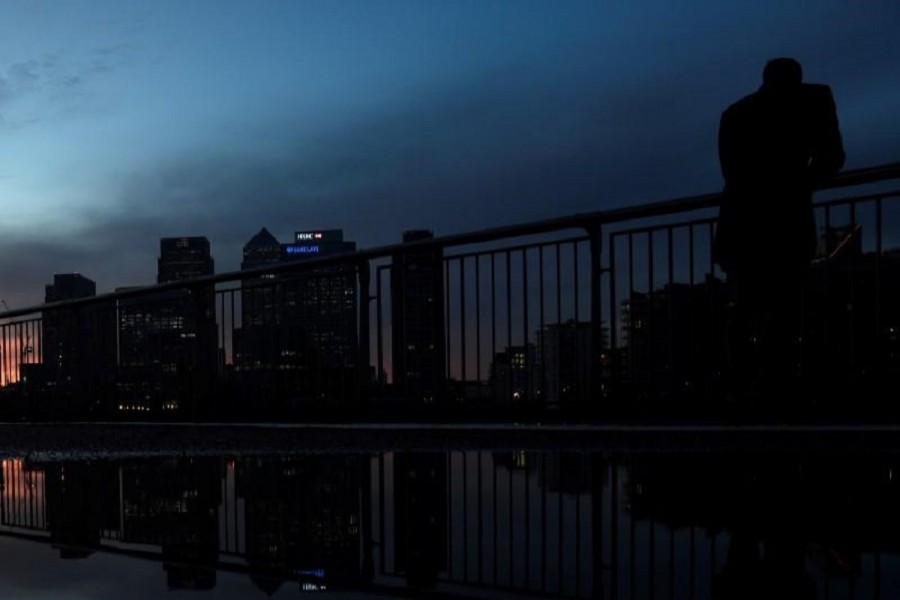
(596, 483)
(614, 527)
(670, 309)
(233, 353)
(529, 359)
(826, 329)
(383, 511)
(613, 316)
(509, 495)
(4, 375)
(450, 506)
(544, 486)
(878, 309)
(558, 257)
(480, 521)
(578, 536)
(631, 350)
(631, 557)
(462, 319)
(692, 571)
(379, 328)
(494, 328)
(559, 526)
(527, 523)
(221, 296)
(877, 576)
(542, 334)
(651, 560)
(465, 517)
(494, 519)
(575, 349)
(225, 511)
(671, 563)
(448, 335)
(509, 370)
(692, 349)
(854, 363)
(651, 346)
(713, 313)
(478, 323)
(558, 356)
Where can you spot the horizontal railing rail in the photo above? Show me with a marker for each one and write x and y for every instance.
(886, 172)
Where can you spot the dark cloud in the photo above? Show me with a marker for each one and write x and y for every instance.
(498, 148)
(50, 85)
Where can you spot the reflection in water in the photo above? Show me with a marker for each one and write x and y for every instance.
(564, 524)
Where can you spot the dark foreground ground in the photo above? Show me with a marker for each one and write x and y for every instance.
(101, 440)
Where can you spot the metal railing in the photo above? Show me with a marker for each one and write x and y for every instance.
(601, 314)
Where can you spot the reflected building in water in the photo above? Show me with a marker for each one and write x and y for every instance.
(302, 517)
(174, 504)
(502, 523)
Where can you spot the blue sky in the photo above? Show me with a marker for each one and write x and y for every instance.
(121, 122)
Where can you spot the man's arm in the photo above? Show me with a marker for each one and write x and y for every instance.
(827, 153)
(727, 151)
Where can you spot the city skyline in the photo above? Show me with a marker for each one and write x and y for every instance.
(121, 124)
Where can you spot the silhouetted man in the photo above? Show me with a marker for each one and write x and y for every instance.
(776, 146)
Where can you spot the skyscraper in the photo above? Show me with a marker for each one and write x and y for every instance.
(61, 336)
(566, 362)
(183, 258)
(320, 343)
(417, 317)
(298, 340)
(168, 348)
(77, 347)
(255, 348)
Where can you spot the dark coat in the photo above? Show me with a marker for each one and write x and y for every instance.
(775, 148)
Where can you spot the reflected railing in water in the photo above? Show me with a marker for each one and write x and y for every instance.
(487, 523)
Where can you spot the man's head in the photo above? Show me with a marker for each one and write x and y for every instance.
(782, 74)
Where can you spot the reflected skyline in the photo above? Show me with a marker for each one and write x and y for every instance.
(569, 524)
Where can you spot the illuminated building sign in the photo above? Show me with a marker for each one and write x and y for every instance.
(299, 249)
(328, 235)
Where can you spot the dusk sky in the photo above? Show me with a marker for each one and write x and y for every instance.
(122, 122)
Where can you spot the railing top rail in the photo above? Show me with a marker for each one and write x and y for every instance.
(586, 220)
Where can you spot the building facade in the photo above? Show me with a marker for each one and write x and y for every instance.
(418, 359)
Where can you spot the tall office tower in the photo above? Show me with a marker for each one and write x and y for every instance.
(255, 347)
(168, 348)
(298, 338)
(182, 258)
(565, 357)
(515, 374)
(320, 349)
(69, 286)
(60, 340)
(77, 346)
(417, 317)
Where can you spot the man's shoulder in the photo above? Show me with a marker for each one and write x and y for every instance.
(747, 103)
(818, 92)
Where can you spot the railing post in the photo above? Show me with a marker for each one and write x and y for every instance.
(363, 376)
(595, 373)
